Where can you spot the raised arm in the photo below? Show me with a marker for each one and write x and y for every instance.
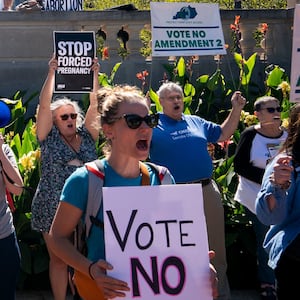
(12, 178)
(230, 124)
(44, 116)
(92, 112)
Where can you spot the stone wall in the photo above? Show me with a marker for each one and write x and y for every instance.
(26, 44)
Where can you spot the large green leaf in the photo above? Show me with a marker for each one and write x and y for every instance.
(16, 145)
(213, 81)
(103, 79)
(275, 76)
(154, 97)
(246, 67)
(203, 79)
(114, 71)
(181, 67)
(189, 90)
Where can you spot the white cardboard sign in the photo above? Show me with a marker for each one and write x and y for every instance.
(156, 239)
(186, 29)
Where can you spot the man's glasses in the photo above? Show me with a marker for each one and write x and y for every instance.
(65, 117)
(271, 110)
(135, 121)
(176, 97)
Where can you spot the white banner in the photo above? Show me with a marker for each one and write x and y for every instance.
(186, 29)
(295, 66)
(156, 240)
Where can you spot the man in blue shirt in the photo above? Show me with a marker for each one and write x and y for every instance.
(179, 142)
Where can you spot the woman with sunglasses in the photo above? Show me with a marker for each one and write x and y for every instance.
(278, 206)
(67, 141)
(127, 126)
(257, 145)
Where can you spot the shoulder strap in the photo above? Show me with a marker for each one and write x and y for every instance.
(96, 179)
(145, 174)
(162, 173)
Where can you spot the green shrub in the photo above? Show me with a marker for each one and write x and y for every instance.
(224, 4)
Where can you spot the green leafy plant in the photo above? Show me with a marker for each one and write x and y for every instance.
(26, 149)
(102, 51)
(123, 38)
(142, 76)
(246, 70)
(224, 4)
(105, 80)
(145, 37)
(236, 36)
(259, 35)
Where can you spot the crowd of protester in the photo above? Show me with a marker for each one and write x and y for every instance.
(266, 162)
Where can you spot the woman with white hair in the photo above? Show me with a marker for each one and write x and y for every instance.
(67, 141)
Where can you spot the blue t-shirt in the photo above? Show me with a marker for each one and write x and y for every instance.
(181, 146)
(75, 192)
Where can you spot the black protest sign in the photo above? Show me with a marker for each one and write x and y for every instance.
(74, 52)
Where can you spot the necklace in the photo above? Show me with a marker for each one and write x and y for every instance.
(69, 143)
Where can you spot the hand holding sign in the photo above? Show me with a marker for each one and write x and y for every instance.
(111, 286)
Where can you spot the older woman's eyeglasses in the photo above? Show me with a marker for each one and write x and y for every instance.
(271, 110)
(135, 121)
(65, 117)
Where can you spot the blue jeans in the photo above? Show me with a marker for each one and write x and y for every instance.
(10, 262)
(265, 274)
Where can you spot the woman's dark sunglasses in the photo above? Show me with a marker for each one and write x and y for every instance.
(135, 121)
(271, 110)
(65, 117)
